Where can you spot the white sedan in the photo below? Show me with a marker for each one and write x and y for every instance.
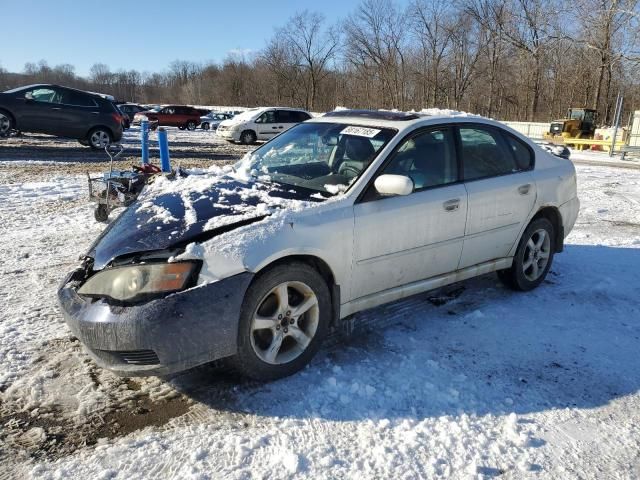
(338, 214)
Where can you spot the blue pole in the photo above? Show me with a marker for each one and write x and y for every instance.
(144, 137)
(164, 150)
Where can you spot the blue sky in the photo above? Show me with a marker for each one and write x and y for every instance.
(143, 35)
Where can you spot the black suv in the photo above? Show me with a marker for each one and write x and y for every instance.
(91, 118)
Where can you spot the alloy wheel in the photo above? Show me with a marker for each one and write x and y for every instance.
(536, 255)
(285, 323)
(5, 124)
(99, 139)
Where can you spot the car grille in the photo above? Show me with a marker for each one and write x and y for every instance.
(135, 357)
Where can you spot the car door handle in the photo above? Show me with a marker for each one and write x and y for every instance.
(55, 108)
(451, 205)
(96, 113)
(275, 128)
(524, 189)
(280, 126)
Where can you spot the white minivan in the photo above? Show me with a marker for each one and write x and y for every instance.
(262, 123)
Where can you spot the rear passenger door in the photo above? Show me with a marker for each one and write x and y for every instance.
(497, 172)
(80, 112)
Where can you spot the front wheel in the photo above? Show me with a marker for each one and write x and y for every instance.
(205, 126)
(6, 123)
(285, 316)
(533, 257)
(191, 125)
(248, 137)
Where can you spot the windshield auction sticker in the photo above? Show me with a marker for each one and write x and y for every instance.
(360, 131)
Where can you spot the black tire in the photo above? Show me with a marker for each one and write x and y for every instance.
(248, 137)
(191, 125)
(101, 213)
(104, 134)
(182, 127)
(6, 123)
(522, 278)
(247, 361)
(205, 126)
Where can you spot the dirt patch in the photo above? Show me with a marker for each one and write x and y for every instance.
(56, 423)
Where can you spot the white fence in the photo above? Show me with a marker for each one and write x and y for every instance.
(634, 133)
(535, 130)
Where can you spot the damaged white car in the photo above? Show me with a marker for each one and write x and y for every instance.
(338, 214)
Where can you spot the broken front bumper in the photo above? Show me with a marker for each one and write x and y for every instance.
(162, 336)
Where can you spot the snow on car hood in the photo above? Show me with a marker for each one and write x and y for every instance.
(172, 213)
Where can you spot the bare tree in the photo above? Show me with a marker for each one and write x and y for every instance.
(313, 46)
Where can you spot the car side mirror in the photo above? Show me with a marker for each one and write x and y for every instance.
(393, 185)
(28, 97)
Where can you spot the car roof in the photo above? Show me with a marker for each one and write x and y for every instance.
(400, 120)
(94, 94)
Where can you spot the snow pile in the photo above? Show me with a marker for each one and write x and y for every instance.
(445, 112)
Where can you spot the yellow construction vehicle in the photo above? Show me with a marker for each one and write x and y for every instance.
(580, 123)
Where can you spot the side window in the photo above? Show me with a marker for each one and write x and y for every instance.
(302, 116)
(44, 95)
(285, 116)
(79, 100)
(427, 158)
(522, 154)
(267, 117)
(484, 153)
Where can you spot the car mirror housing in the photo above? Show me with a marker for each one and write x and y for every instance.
(393, 185)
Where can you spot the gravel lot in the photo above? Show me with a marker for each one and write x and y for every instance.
(32, 155)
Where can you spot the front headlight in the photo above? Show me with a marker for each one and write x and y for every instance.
(133, 282)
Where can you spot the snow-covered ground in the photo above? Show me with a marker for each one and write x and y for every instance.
(474, 381)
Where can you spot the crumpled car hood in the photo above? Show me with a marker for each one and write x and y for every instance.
(175, 219)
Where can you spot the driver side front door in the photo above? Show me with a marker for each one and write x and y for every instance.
(404, 239)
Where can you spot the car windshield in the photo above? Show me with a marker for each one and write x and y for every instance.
(248, 114)
(325, 157)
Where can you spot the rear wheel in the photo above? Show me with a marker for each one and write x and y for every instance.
(248, 137)
(533, 257)
(6, 123)
(285, 316)
(205, 126)
(99, 138)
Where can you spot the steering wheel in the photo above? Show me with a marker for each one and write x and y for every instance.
(348, 170)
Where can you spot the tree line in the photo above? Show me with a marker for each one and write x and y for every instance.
(506, 59)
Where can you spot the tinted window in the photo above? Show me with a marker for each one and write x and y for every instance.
(301, 116)
(78, 99)
(484, 153)
(427, 158)
(522, 154)
(285, 116)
